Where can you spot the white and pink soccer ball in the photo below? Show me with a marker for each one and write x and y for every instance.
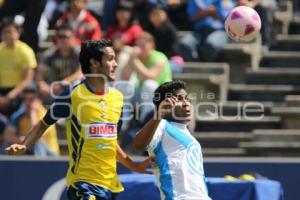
(242, 24)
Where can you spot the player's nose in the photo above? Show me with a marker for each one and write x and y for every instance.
(115, 64)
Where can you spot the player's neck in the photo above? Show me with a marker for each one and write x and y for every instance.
(184, 122)
(96, 84)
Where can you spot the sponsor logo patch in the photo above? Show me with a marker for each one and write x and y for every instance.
(101, 130)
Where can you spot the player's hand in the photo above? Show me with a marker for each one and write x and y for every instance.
(142, 166)
(15, 149)
(167, 106)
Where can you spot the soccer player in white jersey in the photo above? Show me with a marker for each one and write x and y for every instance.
(178, 155)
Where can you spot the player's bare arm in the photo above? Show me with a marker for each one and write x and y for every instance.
(145, 135)
(34, 135)
(140, 167)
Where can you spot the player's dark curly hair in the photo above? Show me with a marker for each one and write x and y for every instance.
(92, 50)
(166, 90)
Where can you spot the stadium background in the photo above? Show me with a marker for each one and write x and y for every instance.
(245, 77)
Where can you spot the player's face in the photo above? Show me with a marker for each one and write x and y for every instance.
(183, 110)
(108, 64)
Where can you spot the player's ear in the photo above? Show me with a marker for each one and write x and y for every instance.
(93, 62)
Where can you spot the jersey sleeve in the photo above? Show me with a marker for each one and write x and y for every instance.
(156, 137)
(60, 109)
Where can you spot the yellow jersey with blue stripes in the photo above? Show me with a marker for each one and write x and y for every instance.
(92, 126)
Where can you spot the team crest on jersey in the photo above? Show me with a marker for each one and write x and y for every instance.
(101, 130)
(102, 103)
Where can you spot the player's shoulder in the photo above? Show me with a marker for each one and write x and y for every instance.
(162, 125)
(115, 92)
(70, 91)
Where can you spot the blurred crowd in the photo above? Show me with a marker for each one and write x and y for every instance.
(145, 37)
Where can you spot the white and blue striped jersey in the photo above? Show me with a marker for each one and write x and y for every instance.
(179, 163)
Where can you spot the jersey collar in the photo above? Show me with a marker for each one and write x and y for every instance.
(94, 91)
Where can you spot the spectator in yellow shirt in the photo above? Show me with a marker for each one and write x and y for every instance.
(17, 63)
(22, 121)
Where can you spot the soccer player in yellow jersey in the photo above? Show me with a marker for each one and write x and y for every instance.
(93, 111)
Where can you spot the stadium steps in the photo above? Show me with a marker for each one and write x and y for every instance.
(221, 139)
(277, 135)
(288, 59)
(290, 116)
(241, 56)
(206, 68)
(266, 148)
(273, 142)
(233, 108)
(275, 76)
(284, 110)
(292, 100)
(287, 42)
(237, 125)
(283, 16)
(294, 27)
(223, 152)
(203, 86)
(44, 45)
(273, 93)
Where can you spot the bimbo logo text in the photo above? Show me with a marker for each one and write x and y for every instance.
(101, 130)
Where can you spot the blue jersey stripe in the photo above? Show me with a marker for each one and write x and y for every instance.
(165, 178)
(180, 137)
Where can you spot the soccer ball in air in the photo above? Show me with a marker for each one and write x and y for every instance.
(242, 24)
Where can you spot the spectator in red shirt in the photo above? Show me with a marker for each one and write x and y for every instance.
(84, 25)
(125, 25)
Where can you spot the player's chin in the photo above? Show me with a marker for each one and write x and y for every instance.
(188, 115)
(112, 77)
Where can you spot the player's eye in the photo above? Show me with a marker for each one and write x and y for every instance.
(187, 98)
(180, 98)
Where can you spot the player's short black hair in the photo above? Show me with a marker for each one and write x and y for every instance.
(6, 22)
(166, 90)
(92, 49)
